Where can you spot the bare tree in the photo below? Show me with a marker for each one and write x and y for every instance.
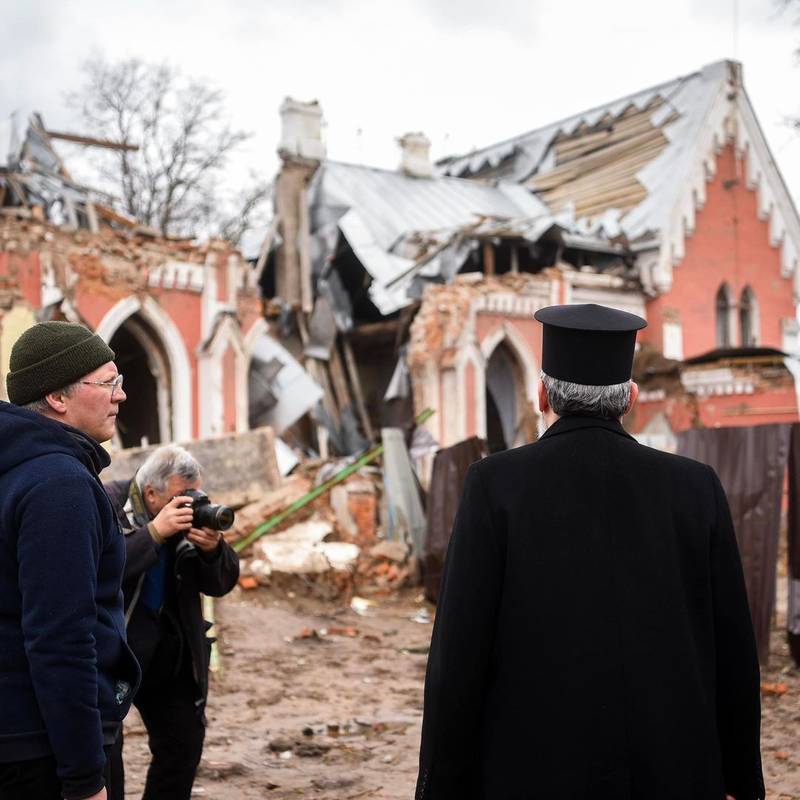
(171, 182)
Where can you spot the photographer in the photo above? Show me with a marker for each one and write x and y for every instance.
(169, 563)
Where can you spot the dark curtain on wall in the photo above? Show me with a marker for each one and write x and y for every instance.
(447, 480)
(793, 612)
(751, 464)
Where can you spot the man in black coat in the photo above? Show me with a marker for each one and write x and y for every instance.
(593, 639)
(169, 563)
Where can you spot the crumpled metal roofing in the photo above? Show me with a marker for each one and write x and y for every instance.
(33, 173)
(529, 149)
(393, 221)
(690, 97)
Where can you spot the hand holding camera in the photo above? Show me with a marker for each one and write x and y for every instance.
(204, 539)
(175, 517)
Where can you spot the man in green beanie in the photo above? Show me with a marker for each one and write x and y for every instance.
(67, 676)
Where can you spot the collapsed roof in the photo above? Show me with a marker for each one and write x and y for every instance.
(624, 179)
(638, 166)
(33, 176)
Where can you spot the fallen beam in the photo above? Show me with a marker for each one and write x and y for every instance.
(276, 520)
(91, 141)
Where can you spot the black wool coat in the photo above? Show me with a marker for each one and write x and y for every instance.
(213, 575)
(593, 639)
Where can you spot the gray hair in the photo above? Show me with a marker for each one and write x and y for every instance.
(41, 406)
(162, 464)
(609, 402)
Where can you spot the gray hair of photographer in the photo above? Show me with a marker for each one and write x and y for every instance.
(165, 462)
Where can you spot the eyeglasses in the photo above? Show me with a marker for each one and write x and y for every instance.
(113, 385)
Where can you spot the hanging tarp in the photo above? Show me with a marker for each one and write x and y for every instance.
(447, 480)
(751, 464)
(793, 529)
(404, 519)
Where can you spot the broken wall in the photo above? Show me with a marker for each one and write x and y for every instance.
(190, 307)
(237, 469)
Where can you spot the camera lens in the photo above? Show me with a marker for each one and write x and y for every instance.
(224, 518)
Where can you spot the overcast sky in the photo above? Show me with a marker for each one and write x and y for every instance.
(466, 72)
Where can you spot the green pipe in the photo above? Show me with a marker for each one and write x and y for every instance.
(275, 520)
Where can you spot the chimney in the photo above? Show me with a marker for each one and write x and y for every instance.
(416, 155)
(301, 130)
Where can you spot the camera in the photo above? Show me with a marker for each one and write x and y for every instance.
(206, 514)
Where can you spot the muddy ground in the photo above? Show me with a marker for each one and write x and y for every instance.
(316, 701)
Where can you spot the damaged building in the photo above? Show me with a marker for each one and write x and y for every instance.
(416, 288)
(183, 319)
(376, 294)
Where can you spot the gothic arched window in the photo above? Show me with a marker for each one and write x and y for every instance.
(748, 318)
(724, 316)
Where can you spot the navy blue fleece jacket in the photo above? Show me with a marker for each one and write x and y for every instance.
(66, 672)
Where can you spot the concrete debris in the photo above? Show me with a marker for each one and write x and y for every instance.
(237, 468)
(252, 515)
(301, 550)
(392, 551)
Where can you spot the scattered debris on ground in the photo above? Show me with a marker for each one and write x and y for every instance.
(316, 700)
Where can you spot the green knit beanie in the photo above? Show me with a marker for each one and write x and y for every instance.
(50, 356)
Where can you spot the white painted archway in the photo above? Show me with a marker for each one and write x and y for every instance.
(509, 335)
(211, 373)
(179, 365)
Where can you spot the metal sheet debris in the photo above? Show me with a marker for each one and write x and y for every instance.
(294, 391)
(405, 516)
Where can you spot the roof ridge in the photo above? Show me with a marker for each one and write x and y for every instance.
(560, 123)
(400, 174)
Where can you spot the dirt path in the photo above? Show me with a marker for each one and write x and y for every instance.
(337, 716)
(360, 698)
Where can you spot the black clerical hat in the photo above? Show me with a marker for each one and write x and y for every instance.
(588, 344)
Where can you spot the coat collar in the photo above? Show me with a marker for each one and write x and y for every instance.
(575, 422)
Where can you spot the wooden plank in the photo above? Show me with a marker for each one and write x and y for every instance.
(318, 372)
(303, 245)
(91, 141)
(91, 215)
(597, 159)
(370, 330)
(338, 379)
(112, 216)
(355, 382)
(602, 141)
(488, 258)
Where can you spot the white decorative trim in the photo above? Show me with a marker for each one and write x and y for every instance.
(258, 329)
(509, 304)
(651, 396)
(711, 382)
(177, 275)
(507, 333)
(672, 340)
(179, 365)
(159, 368)
(471, 354)
(234, 279)
(211, 374)
(774, 200)
(731, 118)
(210, 305)
(115, 316)
(623, 300)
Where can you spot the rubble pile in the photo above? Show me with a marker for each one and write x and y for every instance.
(332, 546)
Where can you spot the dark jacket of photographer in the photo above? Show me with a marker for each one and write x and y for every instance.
(190, 573)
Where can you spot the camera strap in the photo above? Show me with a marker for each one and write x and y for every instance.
(139, 516)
